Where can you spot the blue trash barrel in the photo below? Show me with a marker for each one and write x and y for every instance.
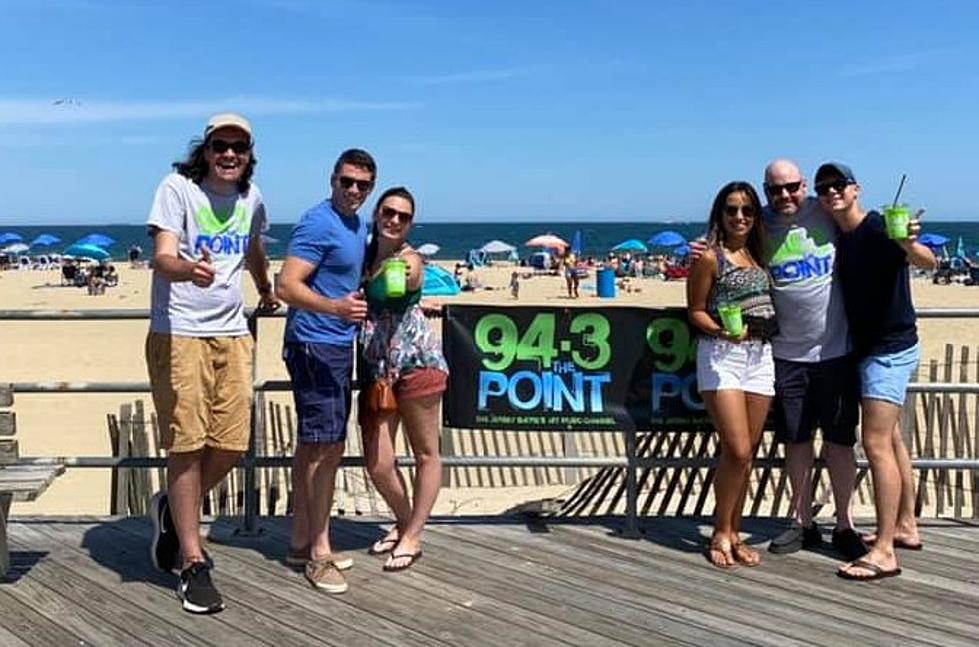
(605, 283)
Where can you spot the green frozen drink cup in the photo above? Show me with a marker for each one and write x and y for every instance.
(395, 276)
(896, 220)
(731, 318)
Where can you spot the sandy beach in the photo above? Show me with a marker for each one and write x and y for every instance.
(75, 425)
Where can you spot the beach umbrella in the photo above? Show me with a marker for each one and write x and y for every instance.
(681, 250)
(932, 240)
(99, 240)
(428, 249)
(546, 240)
(497, 247)
(15, 248)
(577, 243)
(631, 245)
(10, 237)
(438, 282)
(668, 238)
(45, 240)
(91, 251)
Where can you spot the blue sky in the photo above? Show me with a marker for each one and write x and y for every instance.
(497, 110)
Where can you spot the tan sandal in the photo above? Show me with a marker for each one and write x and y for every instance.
(723, 547)
(744, 555)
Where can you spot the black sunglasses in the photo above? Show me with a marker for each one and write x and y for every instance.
(838, 185)
(776, 189)
(239, 146)
(362, 185)
(389, 213)
(730, 211)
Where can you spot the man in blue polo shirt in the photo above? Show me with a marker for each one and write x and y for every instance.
(320, 281)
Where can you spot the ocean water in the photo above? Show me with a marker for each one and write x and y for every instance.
(455, 239)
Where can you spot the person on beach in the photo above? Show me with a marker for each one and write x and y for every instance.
(873, 270)
(569, 264)
(514, 285)
(735, 370)
(816, 381)
(206, 224)
(398, 346)
(319, 281)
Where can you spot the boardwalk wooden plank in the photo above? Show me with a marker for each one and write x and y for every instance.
(119, 568)
(812, 581)
(508, 577)
(277, 594)
(22, 620)
(724, 608)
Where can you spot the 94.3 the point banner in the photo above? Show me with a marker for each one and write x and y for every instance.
(571, 368)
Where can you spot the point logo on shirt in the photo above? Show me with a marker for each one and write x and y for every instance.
(799, 259)
(225, 232)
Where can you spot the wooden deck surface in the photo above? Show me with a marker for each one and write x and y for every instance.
(484, 581)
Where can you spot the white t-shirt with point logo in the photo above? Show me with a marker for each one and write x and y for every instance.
(224, 224)
(801, 257)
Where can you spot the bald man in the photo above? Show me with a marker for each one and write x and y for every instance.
(816, 382)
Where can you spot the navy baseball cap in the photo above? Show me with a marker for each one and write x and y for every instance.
(835, 169)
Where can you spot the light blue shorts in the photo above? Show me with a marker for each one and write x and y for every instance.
(886, 377)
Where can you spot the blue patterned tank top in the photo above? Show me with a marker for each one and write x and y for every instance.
(748, 287)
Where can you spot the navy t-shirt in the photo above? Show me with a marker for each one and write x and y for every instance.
(876, 290)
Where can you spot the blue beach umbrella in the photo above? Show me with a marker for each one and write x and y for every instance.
(90, 251)
(932, 240)
(668, 238)
(10, 237)
(99, 240)
(577, 243)
(631, 245)
(681, 250)
(45, 240)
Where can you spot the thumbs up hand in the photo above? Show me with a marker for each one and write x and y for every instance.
(202, 272)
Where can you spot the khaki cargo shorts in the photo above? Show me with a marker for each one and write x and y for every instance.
(202, 390)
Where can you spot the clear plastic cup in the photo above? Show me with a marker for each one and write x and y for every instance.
(896, 220)
(731, 319)
(395, 277)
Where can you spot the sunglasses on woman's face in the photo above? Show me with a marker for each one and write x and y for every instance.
(362, 185)
(389, 214)
(747, 211)
(240, 146)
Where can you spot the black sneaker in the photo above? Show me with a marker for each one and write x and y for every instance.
(165, 547)
(197, 591)
(795, 539)
(849, 544)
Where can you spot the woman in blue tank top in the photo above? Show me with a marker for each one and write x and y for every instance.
(735, 369)
(398, 345)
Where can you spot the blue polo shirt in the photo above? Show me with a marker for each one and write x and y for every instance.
(335, 245)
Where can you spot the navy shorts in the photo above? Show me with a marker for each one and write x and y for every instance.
(817, 393)
(321, 389)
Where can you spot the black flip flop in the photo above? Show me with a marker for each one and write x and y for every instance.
(877, 572)
(383, 542)
(412, 558)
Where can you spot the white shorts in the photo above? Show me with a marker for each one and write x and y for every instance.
(747, 366)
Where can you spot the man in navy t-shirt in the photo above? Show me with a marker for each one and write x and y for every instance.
(873, 270)
(320, 281)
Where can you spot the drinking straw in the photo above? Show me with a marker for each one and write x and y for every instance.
(900, 186)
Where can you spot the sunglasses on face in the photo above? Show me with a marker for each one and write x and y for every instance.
(776, 189)
(837, 185)
(747, 211)
(240, 146)
(362, 185)
(389, 214)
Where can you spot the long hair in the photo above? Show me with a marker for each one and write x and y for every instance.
(715, 225)
(194, 166)
(371, 255)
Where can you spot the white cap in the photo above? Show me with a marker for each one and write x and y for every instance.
(227, 119)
